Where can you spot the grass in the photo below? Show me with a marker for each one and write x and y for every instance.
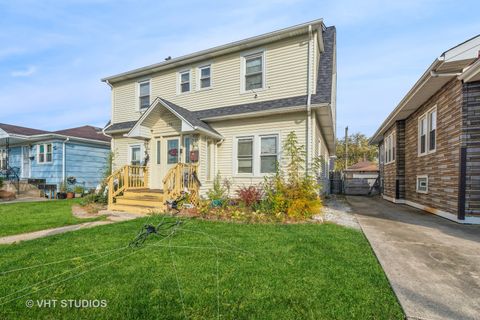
(207, 270)
(25, 217)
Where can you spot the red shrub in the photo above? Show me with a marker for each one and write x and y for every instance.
(249, 195)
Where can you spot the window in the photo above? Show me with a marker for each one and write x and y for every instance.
(390, 142)
(144, 94)
(172, 151)
(432, 128)
(268, 154)
(254, 71)
(45, 153)
(204, 77)
(257, 155)
(159, 148)
(186, 146)
(184, 81)
(136, 155)
(245, 155)
(422, 184)
(427, 132)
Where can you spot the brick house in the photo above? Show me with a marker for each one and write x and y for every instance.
(430, 144)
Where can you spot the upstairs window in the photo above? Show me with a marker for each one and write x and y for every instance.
(254, 71)
(184, 81)
(205, 77)
(45, 153)
(427, 132)
(144, 94)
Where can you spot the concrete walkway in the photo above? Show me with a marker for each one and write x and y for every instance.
(432, 264)
(112, 217)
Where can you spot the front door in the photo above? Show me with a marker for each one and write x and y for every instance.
(25, 162)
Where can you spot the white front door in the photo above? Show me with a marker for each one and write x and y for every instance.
(26, 162)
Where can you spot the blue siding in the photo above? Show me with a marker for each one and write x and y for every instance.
(86, 162)
(52, 172)
(15, 158)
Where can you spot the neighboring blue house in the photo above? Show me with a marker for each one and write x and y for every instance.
(54, 156)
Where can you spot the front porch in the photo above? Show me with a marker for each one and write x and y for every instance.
(129, 188)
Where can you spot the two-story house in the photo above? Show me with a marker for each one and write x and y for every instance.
(224, 110)
(429, 145)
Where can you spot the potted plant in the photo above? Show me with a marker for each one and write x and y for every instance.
(79, 191)
(63, 191)
(70, 189)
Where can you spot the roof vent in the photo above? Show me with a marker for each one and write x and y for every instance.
(168, 58)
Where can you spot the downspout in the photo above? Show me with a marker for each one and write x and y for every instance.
(308, 140)
(64, 160)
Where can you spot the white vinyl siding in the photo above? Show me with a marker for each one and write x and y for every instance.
(285, 74)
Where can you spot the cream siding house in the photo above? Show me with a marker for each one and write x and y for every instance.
(228, 109)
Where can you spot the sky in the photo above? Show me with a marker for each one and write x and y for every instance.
(54, 53)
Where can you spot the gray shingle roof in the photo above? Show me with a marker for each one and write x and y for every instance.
(325, 69)
(322, 95)
(189, 116)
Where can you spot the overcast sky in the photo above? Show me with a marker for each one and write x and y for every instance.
(53, 53)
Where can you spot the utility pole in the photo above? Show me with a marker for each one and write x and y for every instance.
(346, 147)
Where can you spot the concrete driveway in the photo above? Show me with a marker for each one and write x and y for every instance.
(432, 264)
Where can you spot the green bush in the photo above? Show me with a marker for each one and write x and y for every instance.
(94, 198)
(218, 192)
(294, 194)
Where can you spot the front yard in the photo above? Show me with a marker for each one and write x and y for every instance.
(16, 218)
(206, 270)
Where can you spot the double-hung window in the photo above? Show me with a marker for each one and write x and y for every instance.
(257, 155)
(245, 155)
(205, 80)
(390, 142)
(268, 154)
(144, 94)
(45, 153)
(185, 81)
(254, 68)
(136, 155)
(427, 132)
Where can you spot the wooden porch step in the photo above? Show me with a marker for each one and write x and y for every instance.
(140, 201)
(136, 208)
(144, 194)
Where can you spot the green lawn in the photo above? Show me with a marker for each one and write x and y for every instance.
(16, 218)
(207, 270)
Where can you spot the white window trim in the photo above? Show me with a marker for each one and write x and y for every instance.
(256, 154)
(392, 140)
(423, 176)
(243, 57)
(199, 74)
(427, 134)
(137, 93)
(142, 152)
(179, 81)
(45, 153)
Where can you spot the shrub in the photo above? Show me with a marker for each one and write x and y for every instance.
(98, 198)
(294, 194)
(1, 183)
(218, 191)
(249, 196)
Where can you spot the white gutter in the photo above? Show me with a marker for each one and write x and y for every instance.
(64, 160)
(309, 139)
